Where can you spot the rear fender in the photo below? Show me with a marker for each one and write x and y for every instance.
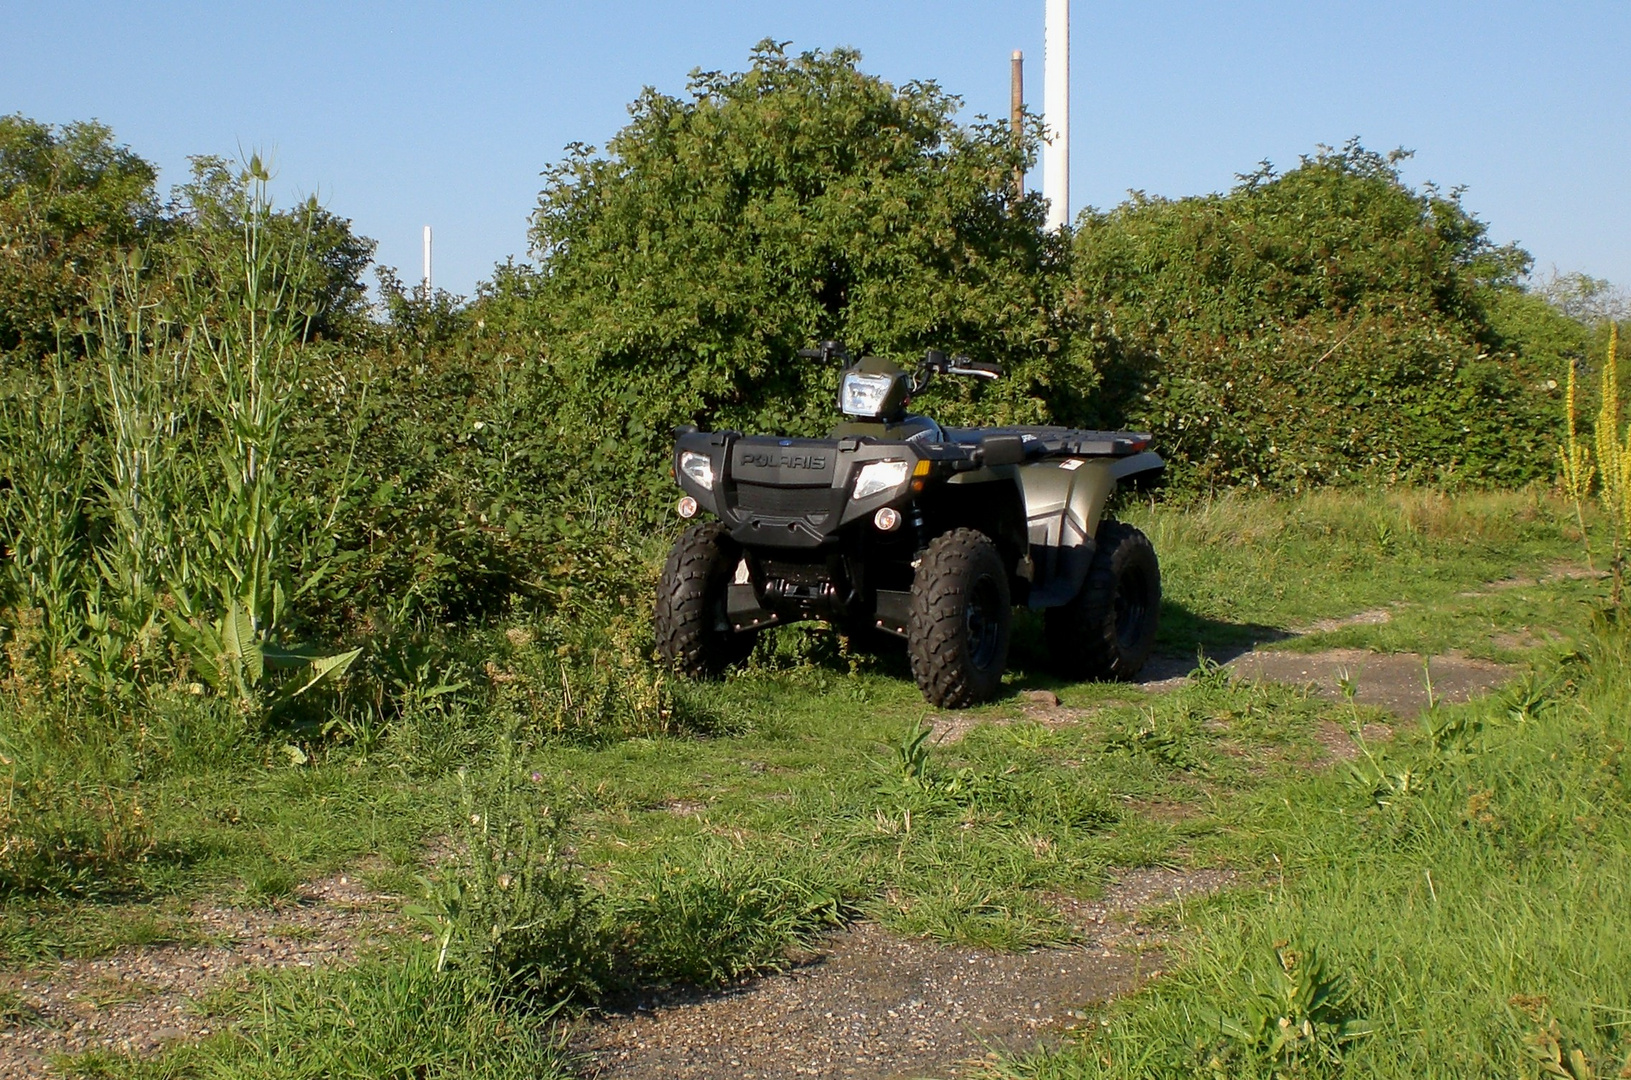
(1064, 502)
(1138, 469)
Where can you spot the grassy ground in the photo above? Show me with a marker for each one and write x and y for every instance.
(686, 858)
(1452, 905)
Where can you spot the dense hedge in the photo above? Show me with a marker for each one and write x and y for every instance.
(1329, 324)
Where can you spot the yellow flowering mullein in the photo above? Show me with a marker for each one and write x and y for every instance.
(1576, 460)
(1614, 462)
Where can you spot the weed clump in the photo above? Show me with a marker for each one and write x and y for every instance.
(509, 913)
(70, 838)
(711, 919)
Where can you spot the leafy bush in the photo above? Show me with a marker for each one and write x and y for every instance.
(1329, 324)
(799, 200)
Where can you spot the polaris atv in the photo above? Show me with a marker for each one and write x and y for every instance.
(899, 525)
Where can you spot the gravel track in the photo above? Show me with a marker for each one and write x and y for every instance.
(869, 1005)
(137, 1001)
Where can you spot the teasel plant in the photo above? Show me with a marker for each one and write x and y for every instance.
(149, 530)
(233, 585)
(143, 367)
(43, 507)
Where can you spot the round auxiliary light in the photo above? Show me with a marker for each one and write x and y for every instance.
(687, 507)
(887, 519)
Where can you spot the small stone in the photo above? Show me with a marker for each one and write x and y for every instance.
(1042, 697)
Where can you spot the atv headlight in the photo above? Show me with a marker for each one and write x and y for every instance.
(699, 467)
(863, 395)
(879, 476)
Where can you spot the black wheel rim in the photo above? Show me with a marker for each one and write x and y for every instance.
(1132, 606)
(984, 622)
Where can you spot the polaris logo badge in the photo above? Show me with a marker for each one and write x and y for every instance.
(767, 460)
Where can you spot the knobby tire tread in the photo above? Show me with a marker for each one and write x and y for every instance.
(1082, 634)
(936, 630)
(699, 563)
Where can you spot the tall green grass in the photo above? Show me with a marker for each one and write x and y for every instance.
(385, 1019)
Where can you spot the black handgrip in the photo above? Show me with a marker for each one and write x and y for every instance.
(826, 350)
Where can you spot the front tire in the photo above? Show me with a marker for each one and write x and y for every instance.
(957, 633)
(694, 631)
(1108, 631)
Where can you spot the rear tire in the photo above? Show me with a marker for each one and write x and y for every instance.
(1108, 630)
(957, 633)
(693, 629)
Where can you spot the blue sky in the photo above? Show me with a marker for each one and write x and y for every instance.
(402, 114)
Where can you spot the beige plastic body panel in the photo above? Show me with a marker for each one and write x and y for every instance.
(1064, 499)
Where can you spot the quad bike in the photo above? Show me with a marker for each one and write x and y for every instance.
(895, 524)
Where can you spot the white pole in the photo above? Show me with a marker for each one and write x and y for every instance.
(427, 262)
(1056, 112)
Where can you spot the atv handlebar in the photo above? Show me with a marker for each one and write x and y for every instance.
(936, 362)
(985, 369)
(826, 351)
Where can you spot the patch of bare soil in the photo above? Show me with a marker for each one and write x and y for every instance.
(1553, 575)
(1041, 706)
(1113, 920)
(1339, 743)
(1397, 682)
(1165, 671)
(1164, 811)
(1526, 638)
(1374, 617)
(873, 1006)
(140, 1000)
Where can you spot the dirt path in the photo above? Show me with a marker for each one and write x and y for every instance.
(1401, 683)
(139, 1000)
(1396, 682)
(873, 1006)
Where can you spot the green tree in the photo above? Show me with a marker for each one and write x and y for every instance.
(1327, 324)
(326, 261)
(68, 196)
(799, 200)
